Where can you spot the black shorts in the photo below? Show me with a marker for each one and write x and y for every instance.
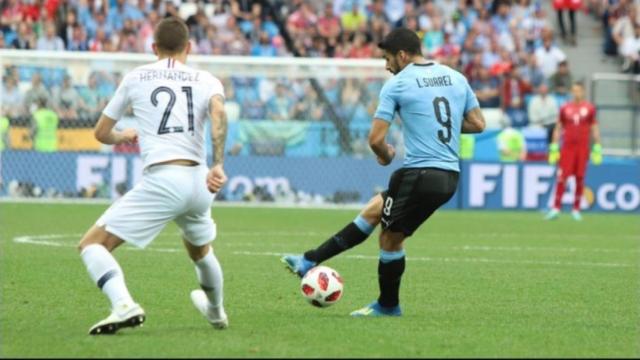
(413, 195)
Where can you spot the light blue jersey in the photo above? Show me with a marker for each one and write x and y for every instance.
(431, 100)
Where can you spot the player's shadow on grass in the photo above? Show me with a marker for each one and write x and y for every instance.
(178, 330)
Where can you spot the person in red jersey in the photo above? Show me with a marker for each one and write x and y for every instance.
(571, 6)
(576, 122)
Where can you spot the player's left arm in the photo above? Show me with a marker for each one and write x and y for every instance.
(217, 177)
(595, 133)
(384, 152)
(596, 149)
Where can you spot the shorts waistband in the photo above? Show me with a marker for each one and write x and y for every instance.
(182, 167)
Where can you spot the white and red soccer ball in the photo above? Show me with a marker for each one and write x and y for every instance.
(322, 286)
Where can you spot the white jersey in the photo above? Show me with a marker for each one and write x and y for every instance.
(170, 104)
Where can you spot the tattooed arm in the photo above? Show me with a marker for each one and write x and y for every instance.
(217, 177)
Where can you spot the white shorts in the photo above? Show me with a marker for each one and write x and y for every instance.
(165, 193)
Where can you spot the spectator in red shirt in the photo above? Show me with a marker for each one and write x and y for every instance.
(329, 23)
(512, 91)
(449, 53)
(576, 122)
(471, 70)
(302, 19)
(12, 14)
(570, 6)
(31, 12)
(361, 49)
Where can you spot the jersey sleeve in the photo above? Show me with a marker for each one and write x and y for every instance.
(471, 101)
(119, 102)
(387, 103)
(215, 88)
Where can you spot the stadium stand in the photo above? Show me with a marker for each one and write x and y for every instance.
(506, 49)
(498, 34)
(621, 31)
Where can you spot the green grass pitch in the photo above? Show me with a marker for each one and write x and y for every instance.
(477, 284)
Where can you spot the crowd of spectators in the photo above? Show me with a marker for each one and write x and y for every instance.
(506, 48)
(76, 105)
(621, 30)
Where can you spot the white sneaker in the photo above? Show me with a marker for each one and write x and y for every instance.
(576, 215)
(215, 316)
(122, 316)
(552, 214)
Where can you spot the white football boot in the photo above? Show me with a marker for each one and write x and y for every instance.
(125, 315)
(215, 316)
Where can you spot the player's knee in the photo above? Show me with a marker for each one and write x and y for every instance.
(372, 219)
(391, 241)
(98, 235)
(197, 252)
(373, 211)
(84, 242)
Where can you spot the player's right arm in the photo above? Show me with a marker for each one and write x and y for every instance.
(106, 134)
(104, 130)
(382, 121)
(473, 122)
(554, 147)
(384, 152)
(217, 177)
(557, 130)
(473, 118)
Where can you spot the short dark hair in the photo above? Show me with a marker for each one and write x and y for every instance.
(401, 39)
(171, 35)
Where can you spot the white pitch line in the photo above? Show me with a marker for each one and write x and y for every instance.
(535, 248)
(44, 240)
(271, 233)
(37, 240)
(466, 260)
(216, 204)
(512, 235)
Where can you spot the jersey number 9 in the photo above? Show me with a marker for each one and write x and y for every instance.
(443, 136)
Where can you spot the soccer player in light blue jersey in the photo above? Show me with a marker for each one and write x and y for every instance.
(436, 104)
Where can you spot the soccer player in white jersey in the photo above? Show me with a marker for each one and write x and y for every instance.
(171, 103)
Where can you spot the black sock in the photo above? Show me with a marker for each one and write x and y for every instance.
(563, 31)
(345, 239)
(572, 20)
(389, 276)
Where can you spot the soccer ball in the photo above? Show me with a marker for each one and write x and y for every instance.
(322, 286)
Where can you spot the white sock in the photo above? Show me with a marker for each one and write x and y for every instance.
(209, 275)
(106, 273)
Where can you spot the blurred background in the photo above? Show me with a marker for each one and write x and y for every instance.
(302, 80)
